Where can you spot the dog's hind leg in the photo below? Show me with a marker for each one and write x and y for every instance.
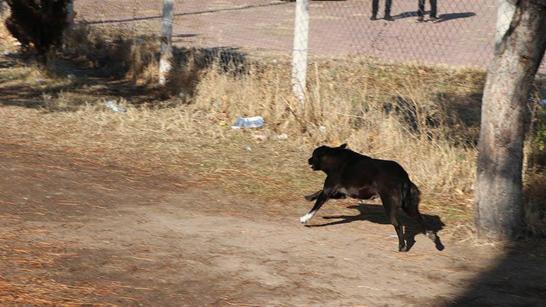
(321, 199)
(392, 206)
(413, 212)
(411, 207)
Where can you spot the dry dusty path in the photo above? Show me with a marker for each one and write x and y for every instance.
(72, 231)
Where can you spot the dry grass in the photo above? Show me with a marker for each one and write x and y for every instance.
(347, 103)
(111, 52)
(427, 118)
(201, 130)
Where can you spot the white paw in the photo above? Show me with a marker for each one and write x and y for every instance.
(304, 219)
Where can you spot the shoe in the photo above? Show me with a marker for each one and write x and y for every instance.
(433, 19)
(388, 18)
(373, 18)
(420, 19)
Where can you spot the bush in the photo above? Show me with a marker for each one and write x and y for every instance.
(37, 24)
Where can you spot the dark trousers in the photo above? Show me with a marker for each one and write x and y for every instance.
(375, 7)
(433, 8)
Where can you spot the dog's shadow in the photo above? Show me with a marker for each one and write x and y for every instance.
(376, 214)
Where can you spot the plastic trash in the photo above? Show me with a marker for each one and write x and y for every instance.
(248, 122)
(283, 136)
(112, 105)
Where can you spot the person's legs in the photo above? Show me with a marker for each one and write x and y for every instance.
(433, 9)
(388, 6)
(421, 10)
(375, 9)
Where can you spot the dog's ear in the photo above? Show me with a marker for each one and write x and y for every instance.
(342, 146)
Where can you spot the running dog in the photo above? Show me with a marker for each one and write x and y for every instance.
(350, 174)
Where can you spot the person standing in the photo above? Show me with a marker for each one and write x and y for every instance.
(433, 11)
(375, 9)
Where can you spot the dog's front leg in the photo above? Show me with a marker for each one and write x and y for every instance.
(315, 195)
(321, 199)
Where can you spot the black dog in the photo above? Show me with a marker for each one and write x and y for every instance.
(358, 176)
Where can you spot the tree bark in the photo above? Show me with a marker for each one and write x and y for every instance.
(499, 195)
(505, 13)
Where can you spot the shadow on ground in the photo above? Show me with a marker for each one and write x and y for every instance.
(89, 78)
(376, 214)
(519, 279)
(452, 16)
(441, 17)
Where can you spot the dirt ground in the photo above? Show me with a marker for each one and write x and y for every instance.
(77, 232)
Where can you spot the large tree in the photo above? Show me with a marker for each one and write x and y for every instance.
(518, 54)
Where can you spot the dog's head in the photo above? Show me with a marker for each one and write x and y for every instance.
(326, 158)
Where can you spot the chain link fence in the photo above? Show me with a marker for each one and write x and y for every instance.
(256, 25)
(458, 32)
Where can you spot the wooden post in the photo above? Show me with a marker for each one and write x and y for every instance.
(299, 54)
(165, 56)
(499, 194)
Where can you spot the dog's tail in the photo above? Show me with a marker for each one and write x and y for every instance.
(411, 196)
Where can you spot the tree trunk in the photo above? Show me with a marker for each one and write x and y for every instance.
(499, 195)
(505, 13)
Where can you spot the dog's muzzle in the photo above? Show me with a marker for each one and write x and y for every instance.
(311, 162)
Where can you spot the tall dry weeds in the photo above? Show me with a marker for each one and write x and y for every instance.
(354, 103)
(116, 53)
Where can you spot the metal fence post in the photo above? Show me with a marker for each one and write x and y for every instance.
(299, 54)
(165, 56)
